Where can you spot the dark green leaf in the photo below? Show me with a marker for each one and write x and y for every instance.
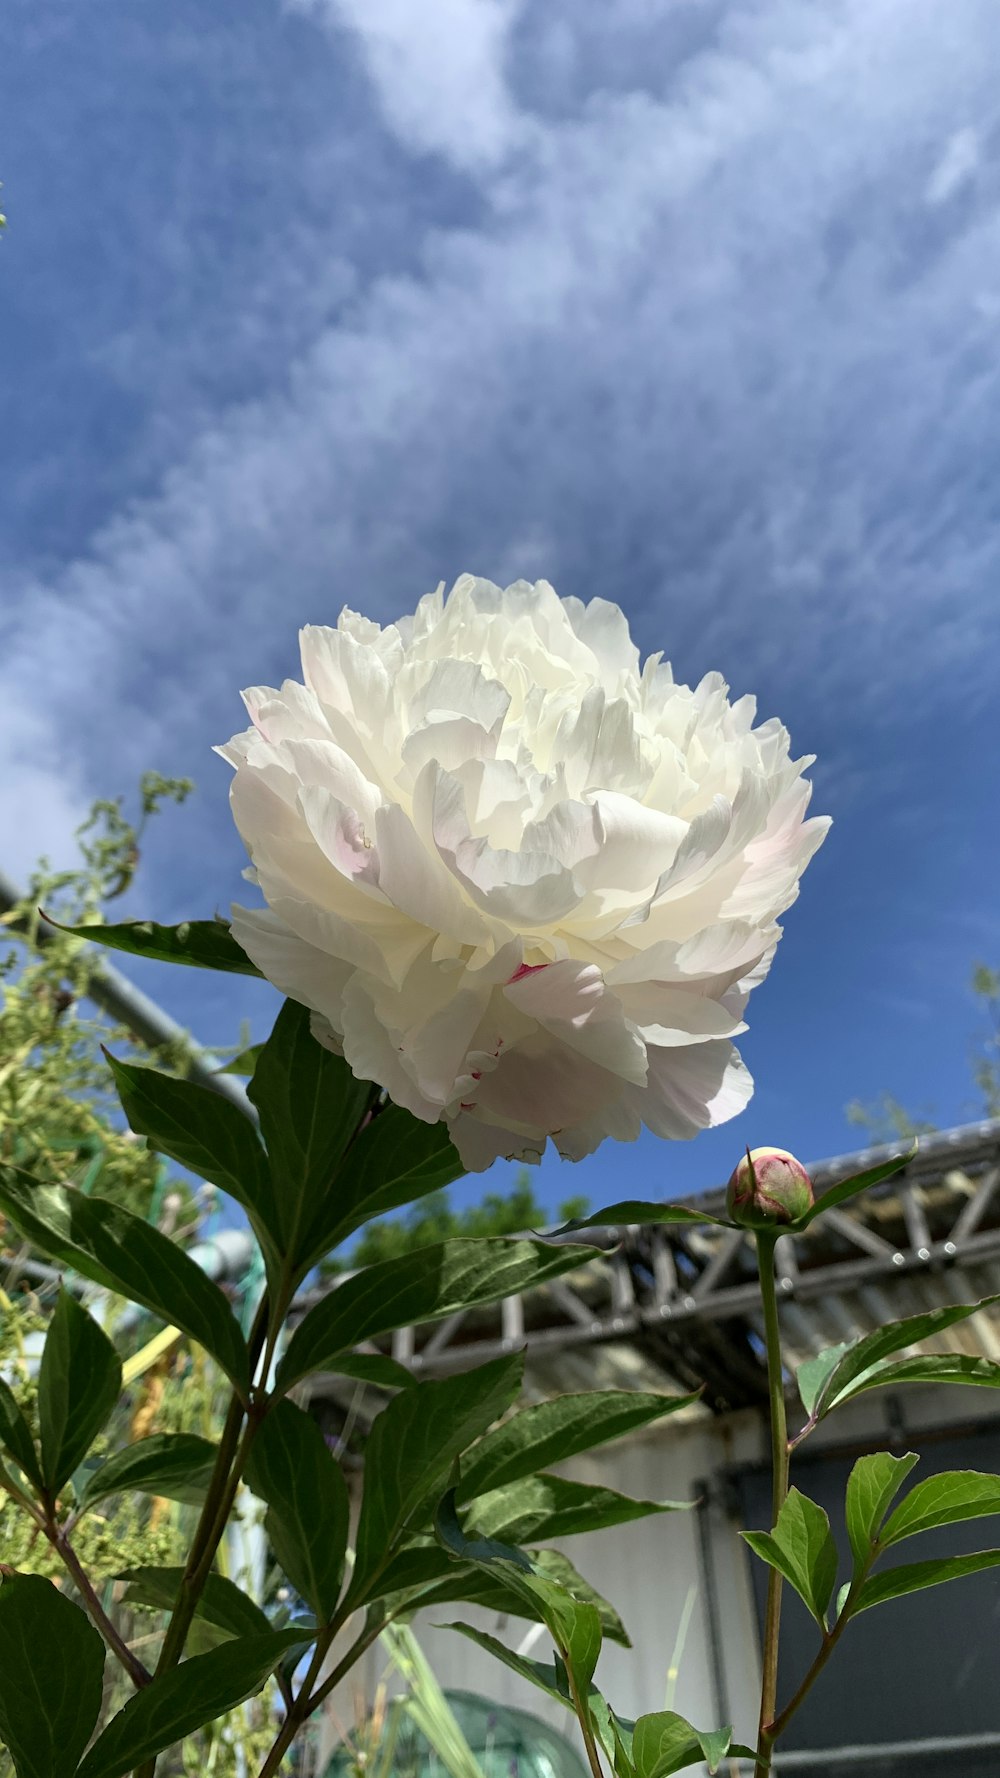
(632, 1211)
(664, 1742)
(395, 1160)
(51, 1676)
(423, 1286)
(544, 1506)
(850, 1374)
(474, 1546)
(203, 1131)
(176, 1465)
(204, 944)
(15, 1436)
(175, 1704)
(221, 1603)
(552, 1431)
(373, 1367)
(310, 1106)
(945, 1499)
(914, 1575)
(870, 1486)
(79, 1382)
(801, 1547)
(411, 1449)
(811, 1376)
(110, 1246)
(291, 1468)
(849, 1188)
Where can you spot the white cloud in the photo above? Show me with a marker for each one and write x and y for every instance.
(705, 352)
(955, 168)
(439, 72)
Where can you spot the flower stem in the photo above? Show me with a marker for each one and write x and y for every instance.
(766, 1732)
(71, 1562)
(309, 1700)
(230, 1459)
(826, 1648)
(583, 1718)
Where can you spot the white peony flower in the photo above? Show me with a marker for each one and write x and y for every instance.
(524, 885)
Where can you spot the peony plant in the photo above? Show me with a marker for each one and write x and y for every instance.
(515, 890)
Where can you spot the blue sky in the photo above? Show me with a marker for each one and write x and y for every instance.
(691, 304)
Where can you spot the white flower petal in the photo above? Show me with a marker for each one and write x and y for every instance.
(692, 1089)
(527, 887)
(302, 971)
(571, 1002)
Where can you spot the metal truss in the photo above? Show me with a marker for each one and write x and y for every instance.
(685, 1299)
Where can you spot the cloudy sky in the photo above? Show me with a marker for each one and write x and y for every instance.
(692, 304)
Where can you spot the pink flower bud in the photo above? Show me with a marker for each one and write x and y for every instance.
(768, 1187)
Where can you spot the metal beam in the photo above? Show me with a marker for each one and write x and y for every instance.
(128, 1005)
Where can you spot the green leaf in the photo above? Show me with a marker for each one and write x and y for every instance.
(632, 1211)
(929, 1367)
(664, 1742)
(870, 1486)
(203, 1131)
(221, 1602)
(555, 1565)
(423, 1286)
(912, 1576)
(245, 1063)
(552, 1431)
(373, 1367)
(545, 1674)
(111, 1247)
(573, 1624)
(176, 1703)
(175, 1465)
(51, 1677)
(310, 1106)
(79, 1383)
(411, 1449)
(946, 1499)
(469, 1584)
(614, 1734)
(543, 1506)
(849, 1188)
(15, 1436)
(395, 1160)
(801, 1547)
(291, 1468)
(203, 944)
(851, 1372)
(811, 1376)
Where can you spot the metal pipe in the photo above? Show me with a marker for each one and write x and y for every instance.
(706, 1563)
(874, 1753)
(127, 1004)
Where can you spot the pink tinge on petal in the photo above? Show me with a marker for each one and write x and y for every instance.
(524, 969)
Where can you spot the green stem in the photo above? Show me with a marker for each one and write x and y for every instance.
(767, 1731)
(583, 1718)
(71, 1562)
(221, 1493)
(827, 1646)
(309, 1700)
